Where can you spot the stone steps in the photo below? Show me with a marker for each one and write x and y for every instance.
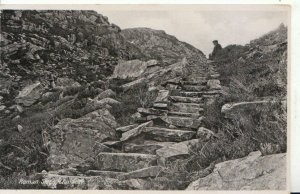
(184, 114)
(200, 94)
(214, 76)
(196, 79)
(148, 147)
(124, 162)
(185, 99)
(183, 122)
(110, 174)
(185, 107)
(203, 82)
(168, 135)
(194, 88)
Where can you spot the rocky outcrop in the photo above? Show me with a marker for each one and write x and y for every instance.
(30, 94)
(254, 172)
(161, 45)
(232, 109)
(72, 141)
(124, 162)
(131, 69)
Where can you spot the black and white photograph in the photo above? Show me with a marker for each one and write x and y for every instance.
(144, 97)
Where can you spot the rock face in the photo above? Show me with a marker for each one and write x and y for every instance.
(254, 172)
(129, 69)
(72, 140)
(30, 94)
(158, 43)
(124, 162)
(233, 109)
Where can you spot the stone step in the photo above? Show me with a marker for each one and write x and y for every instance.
(135, 131)
(152, 171)
(151, 111)
(214, 76)
(177, 151)
(124, 162)
(194, 88)
(184, 114)
(194, 82)
(55, 181)
(160, 105)
(148, 147)
(199, 94)
(168, 135)
(185, 107)
(197, 79)
(110, 174)
(186, 99)
(183, 122)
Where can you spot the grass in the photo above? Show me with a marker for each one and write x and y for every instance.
(23, 151)
(131, 100)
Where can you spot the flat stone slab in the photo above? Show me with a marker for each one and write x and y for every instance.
(169, 135)
(199, 94)
(186, 107)
(197, 79)
(184, 114)
(176, 151)
(186, 99)
(253, 172)
(53, 181)
(124, 162)
(126, 128)
(184, 122)
(110, 174)
(151, 111)
(215, 75)
(146, 148)
(135, 131)
(160, 105)
(152, 171)
(201, 82)
(194, 88)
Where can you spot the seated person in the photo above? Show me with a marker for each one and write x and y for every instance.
(216, 50)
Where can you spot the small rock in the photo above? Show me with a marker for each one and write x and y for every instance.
(213, 84)
(16, 118)
(44, 171)
(7, 111)
(135, 131)
(106, 94)
(20, 128)
(162, 96)
(205, 134)
(2, 107)
(1, 142)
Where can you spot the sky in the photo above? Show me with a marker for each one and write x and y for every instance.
(200, 27)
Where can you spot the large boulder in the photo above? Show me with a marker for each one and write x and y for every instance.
(231, 110)
(71, 141)
(129, 69)
(30, 94)
(124, 162)
(254, 172)
(66, 82)
(163, 74)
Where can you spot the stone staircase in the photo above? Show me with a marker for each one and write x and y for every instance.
(164, 132)
(171, 125)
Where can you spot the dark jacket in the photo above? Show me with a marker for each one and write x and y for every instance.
(216, 51)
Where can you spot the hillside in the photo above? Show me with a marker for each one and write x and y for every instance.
(159, 45)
